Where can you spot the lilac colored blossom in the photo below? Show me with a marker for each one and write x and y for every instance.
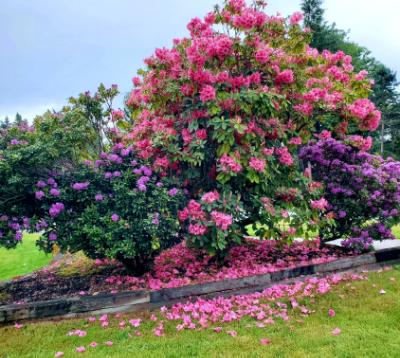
(108, 175)
(114, 217)
(156, 219)
(134, 162)
(56, 209)
(41, 184)
(18, 235)
(3, 218)
(39, 195)
(173, 192)
(146, 171)
(51, 181)
(159, 184)
(80, 186)
(117, 174)
(55, 192)
(52, 236)
(14, 141)
(99, 197)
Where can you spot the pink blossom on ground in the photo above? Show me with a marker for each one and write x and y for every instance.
(265, 341)
(109, 343)
(59, 354)
(331, 313)
(336, 331)
(80, 349)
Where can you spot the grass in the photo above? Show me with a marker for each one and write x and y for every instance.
(22, 260)
(369, 323)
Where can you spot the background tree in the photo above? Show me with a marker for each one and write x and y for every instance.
(384, 93)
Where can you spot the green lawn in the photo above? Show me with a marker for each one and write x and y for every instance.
(22, 260)
(369, 322)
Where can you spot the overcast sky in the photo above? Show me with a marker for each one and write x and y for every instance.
(52, 49)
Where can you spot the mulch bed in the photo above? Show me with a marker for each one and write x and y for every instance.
(179, 266)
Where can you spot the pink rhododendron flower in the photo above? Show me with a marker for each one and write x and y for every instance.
(285, 77)
(331, 313)
(257, 164)
(210, 197)
(296, 18)
(222, 220)
(320, 204)
(207, 93)
(197, 229)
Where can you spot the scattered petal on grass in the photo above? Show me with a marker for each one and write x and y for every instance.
(336, 331)
(109, 343)
(93, 344)
(392, 279)
(218, 329)
(80, 349)
(18, 326)
(265, 341)
(232, 333)
(135, 322)
(138, 333)
(382, 292)
(59, 354)
(331, 313)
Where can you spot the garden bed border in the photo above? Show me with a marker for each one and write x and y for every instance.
(145, 300)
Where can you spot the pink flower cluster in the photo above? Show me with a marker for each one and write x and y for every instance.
(222, 220)
(321, 204)
(366, 111)
(257, 164)
(229, 164)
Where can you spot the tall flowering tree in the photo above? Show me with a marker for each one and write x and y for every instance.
(227, 109)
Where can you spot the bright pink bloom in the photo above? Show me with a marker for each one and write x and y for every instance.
(321, 204)
(197, 229)
(210, 197)
(285, 77)
(331, 313)
(222, 220)
(207, 93)
(257, 164)
(296, 18)
(336, 331)
(80, 349)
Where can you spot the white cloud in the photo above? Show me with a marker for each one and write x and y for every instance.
(28, 112)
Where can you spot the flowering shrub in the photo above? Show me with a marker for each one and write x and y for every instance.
(55, 142)
(362, 191)
(114, 207)
(227, 112)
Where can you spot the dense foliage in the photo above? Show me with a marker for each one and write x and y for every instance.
(115, 207)
(363, 191)
(54, 143)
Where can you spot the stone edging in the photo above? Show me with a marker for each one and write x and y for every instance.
(144, 300)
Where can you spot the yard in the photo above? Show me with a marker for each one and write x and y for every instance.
(368, 319)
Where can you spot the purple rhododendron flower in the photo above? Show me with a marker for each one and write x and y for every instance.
(80, 186)
(56, 209)
(99, 197)
(55, 192)
(114, 217)
(39, 195)
(173, 192)
(52, 236)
